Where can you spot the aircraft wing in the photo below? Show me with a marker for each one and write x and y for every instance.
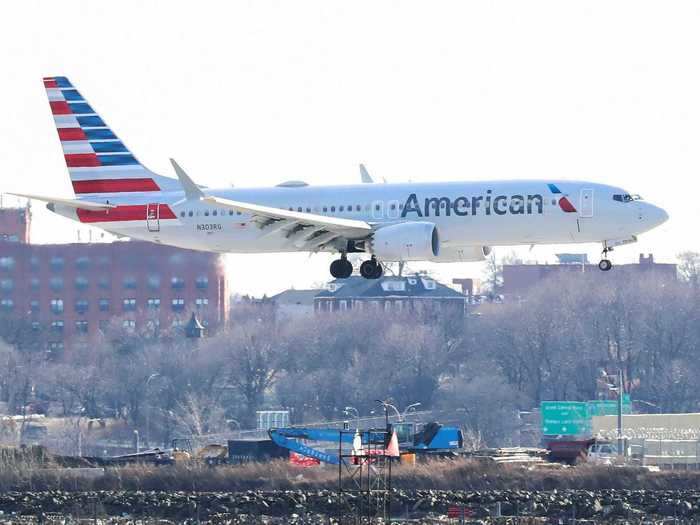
(306, 230)
(71, 203)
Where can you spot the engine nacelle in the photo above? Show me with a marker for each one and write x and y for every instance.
(407, 241)
(462, 254)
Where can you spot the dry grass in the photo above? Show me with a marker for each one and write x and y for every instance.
(29, 473)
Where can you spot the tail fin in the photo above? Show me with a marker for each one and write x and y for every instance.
(98, 162)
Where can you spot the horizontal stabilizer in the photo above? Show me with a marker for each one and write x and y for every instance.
(71, 203)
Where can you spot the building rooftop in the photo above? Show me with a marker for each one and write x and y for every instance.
(300, 297)
(390, 286)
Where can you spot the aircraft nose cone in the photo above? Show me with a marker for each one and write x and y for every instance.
(653, 215)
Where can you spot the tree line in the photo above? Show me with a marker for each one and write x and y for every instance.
(485, 367)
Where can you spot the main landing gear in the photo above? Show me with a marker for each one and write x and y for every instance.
(371, 269)
(341, 268)
(605, 265)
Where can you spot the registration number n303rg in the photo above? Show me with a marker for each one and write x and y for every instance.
(208, 227)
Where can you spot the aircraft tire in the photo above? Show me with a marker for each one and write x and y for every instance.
(605, 265)
(368, 269)
(341, 268)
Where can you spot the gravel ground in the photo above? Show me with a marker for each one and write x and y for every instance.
(320, 506)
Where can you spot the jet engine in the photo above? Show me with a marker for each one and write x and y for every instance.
(407, 241)
(462, 254)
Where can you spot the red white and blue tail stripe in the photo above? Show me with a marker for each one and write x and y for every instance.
(98, 161)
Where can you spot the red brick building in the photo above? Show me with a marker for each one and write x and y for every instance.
(72, 292)
(14, 224)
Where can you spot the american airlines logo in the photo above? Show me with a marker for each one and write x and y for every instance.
(488, 204)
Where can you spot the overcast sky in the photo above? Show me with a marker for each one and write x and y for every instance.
(254, 93)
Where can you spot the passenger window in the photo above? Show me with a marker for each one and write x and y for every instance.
(206, 213)
(299, 208)
(308, 210)
(358, 208)
(230, 212)
(325, 209)
(332, 208)
(190, 213)
(341, 208)
(214, 213)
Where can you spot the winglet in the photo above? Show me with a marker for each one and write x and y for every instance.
(364, 175)
(192, 191)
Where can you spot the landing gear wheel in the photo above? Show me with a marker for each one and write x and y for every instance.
(341, 268)
(371, 269)
(605, 265)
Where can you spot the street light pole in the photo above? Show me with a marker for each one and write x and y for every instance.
(148, 412)
(620, 390)
(386, 406)
(409, 407)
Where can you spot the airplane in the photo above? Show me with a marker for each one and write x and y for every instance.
(389, 222)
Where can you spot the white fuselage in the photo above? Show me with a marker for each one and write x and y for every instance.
(467, 214)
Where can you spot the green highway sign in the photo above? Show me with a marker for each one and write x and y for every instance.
(574, 418)
(568, 418)
(608, 407)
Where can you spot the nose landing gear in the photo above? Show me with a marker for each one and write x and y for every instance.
(605, 265)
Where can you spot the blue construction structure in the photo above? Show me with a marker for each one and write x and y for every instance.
(432, 438)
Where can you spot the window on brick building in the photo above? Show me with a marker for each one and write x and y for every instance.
(81, 306)
(103, 305)
(201, 302)
(56, 283)
(7, 305)
(57, 326)
(81, 327)
(104, 283)
(177, 282)
(129, 324)
(81, 283)
(82, 263)
(129, 282)
(36, 326)
(202, 282)
(34, 306)
(56, 263)
(55, 346)
(57, 306)
(178, 304)
(154, 303)
(6, 285)
(34, 283)
(154, 282)
(7, 263)
(129, 304)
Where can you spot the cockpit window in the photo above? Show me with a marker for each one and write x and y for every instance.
(626, 197)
